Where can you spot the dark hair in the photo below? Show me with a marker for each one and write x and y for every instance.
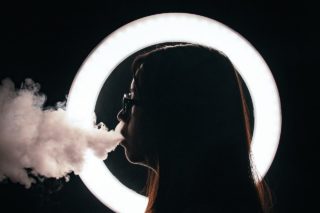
(202, 132)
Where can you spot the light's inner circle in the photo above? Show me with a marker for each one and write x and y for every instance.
(162, 28)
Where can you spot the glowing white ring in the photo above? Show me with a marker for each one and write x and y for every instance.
(172, 27)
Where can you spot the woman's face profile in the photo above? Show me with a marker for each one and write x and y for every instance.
(133, 125)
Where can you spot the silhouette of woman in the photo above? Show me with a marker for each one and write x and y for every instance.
(185, 118)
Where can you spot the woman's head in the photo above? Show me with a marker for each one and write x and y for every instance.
(181, 92)
(184, 119)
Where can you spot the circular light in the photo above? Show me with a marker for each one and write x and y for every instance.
(172, 27)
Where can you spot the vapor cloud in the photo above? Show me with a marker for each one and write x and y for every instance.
(42, 140)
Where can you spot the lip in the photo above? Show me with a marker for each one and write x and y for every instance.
(120, 129)
(121, 133)
(123, 136)
(123, 142)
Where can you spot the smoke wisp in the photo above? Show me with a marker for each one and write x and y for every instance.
(42, 140)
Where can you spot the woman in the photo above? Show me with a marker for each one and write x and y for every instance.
(186, 119)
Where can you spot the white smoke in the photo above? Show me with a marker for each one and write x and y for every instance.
(42, 140)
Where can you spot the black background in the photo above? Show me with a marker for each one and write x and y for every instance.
(48, 41)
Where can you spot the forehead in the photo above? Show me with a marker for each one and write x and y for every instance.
(133, 88)
(132, 85)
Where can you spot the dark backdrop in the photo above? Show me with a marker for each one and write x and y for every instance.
(48, 42)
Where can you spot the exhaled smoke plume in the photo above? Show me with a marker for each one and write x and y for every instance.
(42, 140)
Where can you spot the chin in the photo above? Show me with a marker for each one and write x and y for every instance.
(132, 158)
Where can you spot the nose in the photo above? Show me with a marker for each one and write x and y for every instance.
(121, 116)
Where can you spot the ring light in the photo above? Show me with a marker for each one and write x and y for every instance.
(161, 28)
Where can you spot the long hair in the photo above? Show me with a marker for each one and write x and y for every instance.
(195, 98)
(262, 187)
